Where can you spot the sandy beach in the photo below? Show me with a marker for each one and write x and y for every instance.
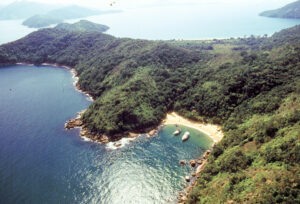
(213, 131)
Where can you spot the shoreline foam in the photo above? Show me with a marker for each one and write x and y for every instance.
(75, 77)
(213, 131)
(73, 71)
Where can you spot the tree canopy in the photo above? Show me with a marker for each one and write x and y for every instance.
(250, 86)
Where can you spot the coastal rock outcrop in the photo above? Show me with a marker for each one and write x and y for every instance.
(152, 132)
(206, 154)
(200, 161)
(182, 162)
(182, 198)
(73, 123)
(193, 163)
(77, 122)
(201, 165)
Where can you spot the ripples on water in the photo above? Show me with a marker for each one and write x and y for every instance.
(40, 162)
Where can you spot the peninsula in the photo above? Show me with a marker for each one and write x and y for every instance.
(247, 86)
(39, 21)
(59, 15)
(291, 10)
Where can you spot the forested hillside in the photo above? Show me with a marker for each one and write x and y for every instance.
(291, 10)
(250, 86)
(83, 26)
(39, 21)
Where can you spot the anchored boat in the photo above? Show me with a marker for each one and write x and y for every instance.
(177, 132)
(185, 136)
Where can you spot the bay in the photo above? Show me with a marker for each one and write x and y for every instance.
(41, 162)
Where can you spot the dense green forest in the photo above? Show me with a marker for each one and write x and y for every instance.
(291, 10)
(83, 26)
(250, 86)
(39, 21)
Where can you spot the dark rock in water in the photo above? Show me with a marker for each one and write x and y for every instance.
(193, 163)
(182, 162)
(187, 179)
(193, 174)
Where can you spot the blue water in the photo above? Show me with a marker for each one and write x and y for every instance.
(41, 162)
(181, 20)
(194, 21)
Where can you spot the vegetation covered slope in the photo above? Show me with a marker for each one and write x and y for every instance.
(83, 26)
(291, 10)
(39, 21)
(254, 88)
(58, 15)
(250, 86)
(40, 15)
(105, 64)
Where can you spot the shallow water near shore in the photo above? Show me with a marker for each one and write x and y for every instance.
(41, 162)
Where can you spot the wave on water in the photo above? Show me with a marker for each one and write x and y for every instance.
(86, 139)
(119, 144)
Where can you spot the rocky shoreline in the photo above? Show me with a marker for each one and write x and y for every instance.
(77, 122)
(74, 72)
(102, 138)
(75, 76)
(199, 165)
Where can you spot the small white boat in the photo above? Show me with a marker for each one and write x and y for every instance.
(185, 136)
(177, 132)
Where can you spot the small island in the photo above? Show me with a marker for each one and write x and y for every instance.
(24, 9)
(56, 16)
(39, 21)
(291, 10)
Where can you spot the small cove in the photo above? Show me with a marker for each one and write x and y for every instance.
(41, 162)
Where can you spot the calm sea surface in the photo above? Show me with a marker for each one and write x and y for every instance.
(41, 162)
(186, 21)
